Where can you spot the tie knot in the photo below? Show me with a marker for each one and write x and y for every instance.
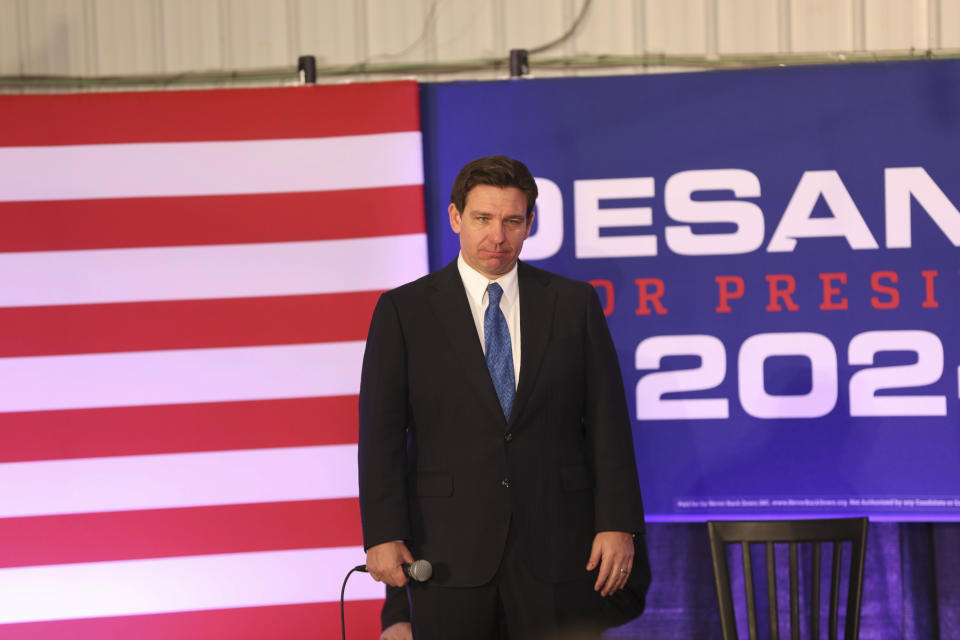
(495, 291)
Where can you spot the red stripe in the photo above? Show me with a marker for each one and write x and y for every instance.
(185, 324)
(231, 114)
(124, 431)
(203, 220)
(319, 621)
(166, 533)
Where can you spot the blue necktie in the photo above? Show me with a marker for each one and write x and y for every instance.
(498, 350)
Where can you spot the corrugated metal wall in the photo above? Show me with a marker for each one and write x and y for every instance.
(130, 37)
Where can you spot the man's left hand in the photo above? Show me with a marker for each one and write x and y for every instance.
(613, 552)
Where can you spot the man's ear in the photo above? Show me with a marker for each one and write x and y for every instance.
(455, 218)
(529, 224)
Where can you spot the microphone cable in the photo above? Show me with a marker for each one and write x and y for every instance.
(343, 590)
(419, 570)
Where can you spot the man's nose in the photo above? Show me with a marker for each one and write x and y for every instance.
(497, 233)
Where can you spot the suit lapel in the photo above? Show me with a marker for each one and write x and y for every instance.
(449, 304)
(537, 303)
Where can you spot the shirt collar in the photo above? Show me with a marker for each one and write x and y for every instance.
(476, 283)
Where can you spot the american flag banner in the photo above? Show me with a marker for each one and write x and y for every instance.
(186, 281)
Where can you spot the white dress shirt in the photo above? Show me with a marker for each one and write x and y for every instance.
(476, 285)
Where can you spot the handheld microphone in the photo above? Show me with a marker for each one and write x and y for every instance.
(418, 570)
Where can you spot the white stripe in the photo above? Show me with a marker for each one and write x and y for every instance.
(166, 585)
(125, 483)
(39, 383)
(215, 271)
(79, 172)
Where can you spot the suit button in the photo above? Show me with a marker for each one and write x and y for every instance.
(505, 482)
(508, 437)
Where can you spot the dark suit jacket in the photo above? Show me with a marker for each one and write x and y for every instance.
(395, 608)
(442, 469)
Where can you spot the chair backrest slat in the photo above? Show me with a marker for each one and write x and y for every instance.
(748, 587)
(794, 594)
(855, 589)
(815, 594)
(721, 575)
(835, 588)
(772, 592)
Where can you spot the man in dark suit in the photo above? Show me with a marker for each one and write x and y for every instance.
(494, 434)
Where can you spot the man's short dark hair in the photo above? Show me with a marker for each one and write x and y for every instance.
(496, 171)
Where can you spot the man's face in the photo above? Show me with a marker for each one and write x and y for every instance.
(492, 228)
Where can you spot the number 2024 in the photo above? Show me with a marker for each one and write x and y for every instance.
(822, 397)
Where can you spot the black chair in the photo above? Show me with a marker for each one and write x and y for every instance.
(815, 532)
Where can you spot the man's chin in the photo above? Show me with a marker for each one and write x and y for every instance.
(497, 267)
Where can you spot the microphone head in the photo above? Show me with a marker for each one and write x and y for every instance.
(420, 570)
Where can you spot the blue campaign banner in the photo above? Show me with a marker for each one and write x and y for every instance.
(777, 254)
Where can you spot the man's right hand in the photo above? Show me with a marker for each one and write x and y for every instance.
(384, 560)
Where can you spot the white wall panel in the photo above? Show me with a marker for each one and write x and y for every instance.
(465, 30)
(333, 31)
(399, 31)
(535, 22)
(822, 25)
(255, 34)
(744, 26)
(191, 36)
(57, 37)
(609, 28)
(948, 23)
(895, 24)
(127, 38)
(10, 58)
(677, 26)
